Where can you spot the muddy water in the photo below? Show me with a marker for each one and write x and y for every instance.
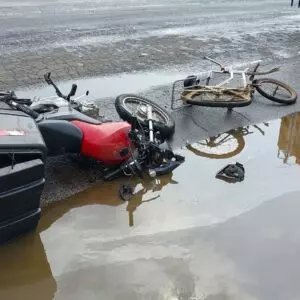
(184, 236)
(109, 86)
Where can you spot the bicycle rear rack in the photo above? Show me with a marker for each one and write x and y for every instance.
(178, 88)
(176, 101)
(204, 79)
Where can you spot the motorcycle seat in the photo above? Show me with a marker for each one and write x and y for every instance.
(61, 136)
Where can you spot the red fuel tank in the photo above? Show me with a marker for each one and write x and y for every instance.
(106, 142)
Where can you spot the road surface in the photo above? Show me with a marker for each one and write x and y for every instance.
(78, 38)
(154, 43)
(200, 238)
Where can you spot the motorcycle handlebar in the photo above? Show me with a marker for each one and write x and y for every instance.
(22, 101)
(48, 79)
(73, 91)
(21, 107)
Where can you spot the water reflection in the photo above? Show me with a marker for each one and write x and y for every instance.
(89, 242)
(27, 272)
(225, 145)
(108, 194)
(289, 139)
(143, 189)
(232, 143)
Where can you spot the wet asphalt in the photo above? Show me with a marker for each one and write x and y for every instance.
(78, 38)
(66, 175)
(142, 47)
(193, 237)
(219, 240)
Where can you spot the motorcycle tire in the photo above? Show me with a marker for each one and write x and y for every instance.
(166, 124)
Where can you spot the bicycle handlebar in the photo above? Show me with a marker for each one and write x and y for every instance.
(214, 61)
(263, 73)
(250, 73)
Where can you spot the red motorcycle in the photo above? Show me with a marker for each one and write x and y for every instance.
(137, 145)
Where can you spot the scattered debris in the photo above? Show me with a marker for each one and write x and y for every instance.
(232, 173)
(126, 192)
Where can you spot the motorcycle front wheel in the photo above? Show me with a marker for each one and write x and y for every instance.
(131, 106)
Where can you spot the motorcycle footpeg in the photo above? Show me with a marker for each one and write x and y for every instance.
(179, 158)
(112, 175)
(136, 169)
(166, 168)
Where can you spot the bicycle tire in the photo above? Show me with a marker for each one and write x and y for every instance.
(241, 145)
(166, 128)
(190, 98)
(257, 83)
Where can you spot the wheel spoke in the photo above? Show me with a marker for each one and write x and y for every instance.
(221, 146)
(136, 106)
(276, 89)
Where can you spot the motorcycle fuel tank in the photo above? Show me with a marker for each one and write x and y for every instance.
(106, 142)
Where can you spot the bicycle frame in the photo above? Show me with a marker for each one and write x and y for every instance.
(210, 74)
(232, 74)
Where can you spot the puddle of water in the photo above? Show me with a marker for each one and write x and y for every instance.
(95, 230)
(110, 86)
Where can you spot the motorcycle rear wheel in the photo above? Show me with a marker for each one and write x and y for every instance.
(162, 120)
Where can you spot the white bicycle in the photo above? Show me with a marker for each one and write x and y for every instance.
(196, 90)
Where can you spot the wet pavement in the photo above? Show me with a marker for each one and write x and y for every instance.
(78, 38)
(66, 177)
(186, 236)
(132, 46)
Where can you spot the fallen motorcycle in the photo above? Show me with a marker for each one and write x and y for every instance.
(137, 145)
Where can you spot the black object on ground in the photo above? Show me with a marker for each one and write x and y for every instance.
(22, 173)
(126, 192)
(232, 173)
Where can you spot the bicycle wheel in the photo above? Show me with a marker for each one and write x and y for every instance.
(129, 106)
(222, 146)
(275, 90)
(217, 97)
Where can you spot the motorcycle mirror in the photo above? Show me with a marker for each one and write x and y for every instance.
(87, 93)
